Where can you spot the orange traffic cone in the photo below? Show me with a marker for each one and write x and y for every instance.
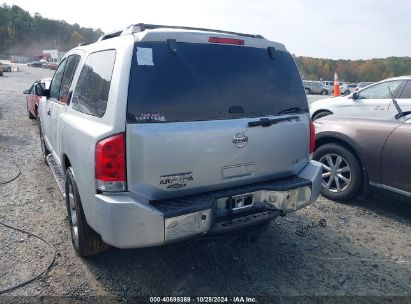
(337, 91)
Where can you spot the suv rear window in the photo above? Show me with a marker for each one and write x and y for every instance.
(210, 82)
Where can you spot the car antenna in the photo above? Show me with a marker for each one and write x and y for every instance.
(397, 106)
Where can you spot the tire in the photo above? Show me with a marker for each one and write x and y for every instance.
(324, 92)
(85, 240)
(44, 150)
(30, 115)
(347, 92)
(343, 182)
(321, 114)
(307, 91)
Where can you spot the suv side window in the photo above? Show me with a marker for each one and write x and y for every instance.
(380, 91)
(69, 71)
(406, 93)
(93, 86)
(56, 82)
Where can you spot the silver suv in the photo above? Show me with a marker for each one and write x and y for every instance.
(315, 87)
(158, 133)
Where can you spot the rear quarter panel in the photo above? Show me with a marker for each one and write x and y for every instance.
(366, 137)
(80, 132)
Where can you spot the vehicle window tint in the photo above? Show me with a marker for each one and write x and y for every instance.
(32, 91)
(56, 82)
(406, 93)
(381, 90)
(206, 81)
(93, 87)
(69, 71)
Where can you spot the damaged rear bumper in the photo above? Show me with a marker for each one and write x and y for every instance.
(127, 223)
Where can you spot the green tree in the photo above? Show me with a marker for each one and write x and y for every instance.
(26, 35)
(76, 38)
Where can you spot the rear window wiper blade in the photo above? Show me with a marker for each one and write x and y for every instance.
(291, 110)
(266, 122)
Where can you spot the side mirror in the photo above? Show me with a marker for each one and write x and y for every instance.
(354, 96)
(26, 91)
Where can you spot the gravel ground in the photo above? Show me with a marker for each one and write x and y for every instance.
(327, 249)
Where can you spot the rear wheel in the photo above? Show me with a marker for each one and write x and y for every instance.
(347, 92)
(341, 174)
(85, 240)
(324, 92)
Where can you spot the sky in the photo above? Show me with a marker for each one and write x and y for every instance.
(349, 29)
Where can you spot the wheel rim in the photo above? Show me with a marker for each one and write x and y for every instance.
(336, 175)
(73, 216)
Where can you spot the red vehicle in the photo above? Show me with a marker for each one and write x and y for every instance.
(52, 65)
(34, 94)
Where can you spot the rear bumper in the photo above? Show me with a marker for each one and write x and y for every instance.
(128, 223)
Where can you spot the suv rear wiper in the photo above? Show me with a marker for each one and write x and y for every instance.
(266, 122)
(291, 110)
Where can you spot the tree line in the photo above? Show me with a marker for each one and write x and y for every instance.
(25, 35)
(353, 70)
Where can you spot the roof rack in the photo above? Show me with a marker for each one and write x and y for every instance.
(112, 34)
(141, 27)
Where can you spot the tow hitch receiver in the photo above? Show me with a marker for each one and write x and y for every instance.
(239, 202)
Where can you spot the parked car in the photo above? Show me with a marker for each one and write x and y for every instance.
(362, 85)
(37, 64)
(328, 83)
(1, 69)
(52, 65)
(144, 162)
(347, 89)
(372, 100)
(33, 96)
(7, 67)
(315, 87)
(358, 152)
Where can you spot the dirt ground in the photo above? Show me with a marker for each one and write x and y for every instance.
(328, 249)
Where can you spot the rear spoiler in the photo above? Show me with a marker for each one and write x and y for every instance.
(141, 27)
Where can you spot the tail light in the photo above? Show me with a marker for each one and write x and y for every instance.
(312, 138)
(110, 166)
